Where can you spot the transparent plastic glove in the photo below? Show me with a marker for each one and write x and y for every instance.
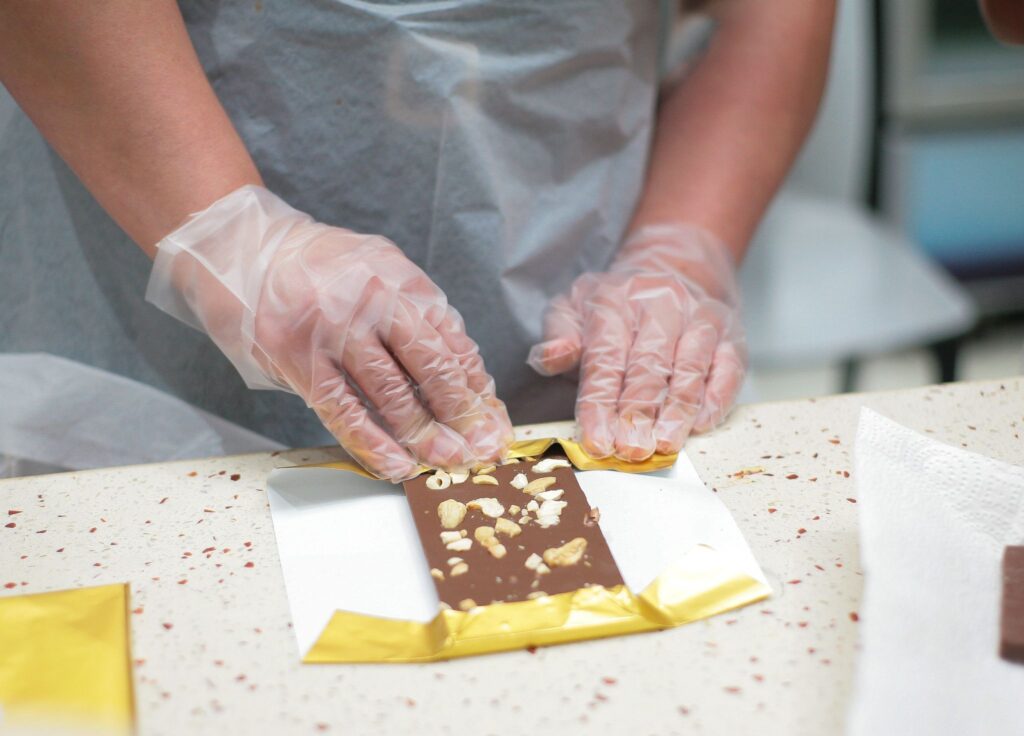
(345, 321)
(658, 340)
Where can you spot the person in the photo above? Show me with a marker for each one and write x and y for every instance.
(409, 215)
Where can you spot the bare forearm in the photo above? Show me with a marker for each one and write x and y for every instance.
(117, 90)
(728, 133)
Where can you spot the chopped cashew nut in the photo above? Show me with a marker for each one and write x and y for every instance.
(436, 574)
(487, 506)
(547, 520)
(439, 481)
(454, 561)
(449, 537)
(524, 520)
(519, 482)
(548, 464)
(533, 505)
(497, 550)
(536, 594)
(485, 535)
(507, 527)
(539, 484)
(551, 508)
(513, 510)
(568, 554)
(543, 569)
(553, 495)
(467, 604)
(461, 569)
(485, 480)
(459, 545)
(459, 478)
(532, 561)
(451, 513)
(486, 470)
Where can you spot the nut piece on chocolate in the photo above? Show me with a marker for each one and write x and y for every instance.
(568, 554)
(490, 548)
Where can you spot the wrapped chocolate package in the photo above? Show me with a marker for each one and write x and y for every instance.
(528, 553)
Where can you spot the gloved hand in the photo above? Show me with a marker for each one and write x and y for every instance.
(345, 321)
(659, 338)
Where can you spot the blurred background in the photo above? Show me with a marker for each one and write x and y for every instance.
(894, 257)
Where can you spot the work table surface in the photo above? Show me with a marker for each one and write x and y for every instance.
(214, 652)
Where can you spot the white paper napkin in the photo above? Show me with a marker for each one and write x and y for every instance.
(934, 520)
(348, 543)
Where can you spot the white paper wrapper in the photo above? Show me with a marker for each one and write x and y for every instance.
(934, 521)
(348, 543)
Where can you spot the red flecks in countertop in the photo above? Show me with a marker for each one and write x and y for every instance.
(531, 649)
(247, 544)
(93, 530)
(852, 500)
(11, 525)
(168, 626)
(10, 585)
(733, 690)
(12, 512)
(137, 611)
(182, 582)
(772, 510)
(249, 564)
(820, 568)
(792, 476)
(801, 530)
(609, 681)
(854, 616)
(192, 474)
(163, 500)
(60, 549)
(235, 476)
(794, 582)
(834, 441)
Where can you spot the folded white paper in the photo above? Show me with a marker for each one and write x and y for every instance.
(934, 520)
(348, 543)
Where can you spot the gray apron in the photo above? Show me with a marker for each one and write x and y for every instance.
(502, 146)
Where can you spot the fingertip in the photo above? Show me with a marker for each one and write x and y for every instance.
(553, 357)
(597, 429)
(634, 437)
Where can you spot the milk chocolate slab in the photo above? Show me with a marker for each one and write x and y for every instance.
(489, 579)
(1011, 645)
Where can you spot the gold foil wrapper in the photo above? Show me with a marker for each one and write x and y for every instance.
(701, 584)
(536, 447)
(65, 662)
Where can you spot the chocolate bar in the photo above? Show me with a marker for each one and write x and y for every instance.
(509, 533)
(1011, 644)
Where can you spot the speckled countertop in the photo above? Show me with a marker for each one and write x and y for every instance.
(214, 653)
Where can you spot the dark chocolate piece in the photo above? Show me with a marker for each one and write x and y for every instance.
(490, 579)
(1011, 645)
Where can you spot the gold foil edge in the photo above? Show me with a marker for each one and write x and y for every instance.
(702, 583)
(535, 447)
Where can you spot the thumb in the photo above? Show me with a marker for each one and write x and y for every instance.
(563, 340)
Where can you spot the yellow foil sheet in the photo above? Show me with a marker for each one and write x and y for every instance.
(701, 584)
(65, 662)
(536, 447)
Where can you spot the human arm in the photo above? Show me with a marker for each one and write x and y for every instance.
(117, 90)
(344, 320)
(658, 338)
